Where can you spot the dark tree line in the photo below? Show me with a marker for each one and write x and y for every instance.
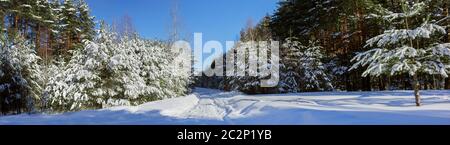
(54, 26)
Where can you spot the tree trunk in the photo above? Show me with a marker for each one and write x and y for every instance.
(416, 85)
(347, 82)
(47, 46)
(68, 44)
(26, 35)
(50, 39)
(38, 37)
(381, 83)
(435, 83)
(367, 84)
(447, 83)
(388, 83)
(2, 21)
(447, 80)
(16, 22)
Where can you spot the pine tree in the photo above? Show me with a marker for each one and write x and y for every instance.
(180, 77)
(69, 26)
(79, 84)
(112, 71)
(20, 76)
(407, 49)
(290, 63)
(45, 25)
(94, 70)
(87, 24)
(313, 69)
(303, 67)
(56, 33)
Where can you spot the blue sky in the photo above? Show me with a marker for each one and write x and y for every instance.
(217, 19)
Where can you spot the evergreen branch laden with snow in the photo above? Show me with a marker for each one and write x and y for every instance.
(113, 71)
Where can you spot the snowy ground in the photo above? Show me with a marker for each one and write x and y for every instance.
(206, 107)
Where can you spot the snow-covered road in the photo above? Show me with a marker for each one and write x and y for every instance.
(208, 106)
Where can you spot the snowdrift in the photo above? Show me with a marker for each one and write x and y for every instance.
(206, 106)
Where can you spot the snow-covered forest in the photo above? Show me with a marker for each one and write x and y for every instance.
(54, 59)
(358, 45)
(55, 56)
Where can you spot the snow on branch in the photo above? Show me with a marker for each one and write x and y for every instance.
(396, 36)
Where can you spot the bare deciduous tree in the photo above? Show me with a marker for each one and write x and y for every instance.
(124, 26)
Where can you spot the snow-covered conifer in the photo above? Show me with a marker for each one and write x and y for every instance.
(407, 48)
(112, 71)
(79, 84)
(313, 69)
(20, 76)
(290, 74)
(303, 67)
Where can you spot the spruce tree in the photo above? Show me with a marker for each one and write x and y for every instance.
(290, 62)
(80, 85)
(410, 47)
(303, 69)
(20, 76)
(69, 26)
(86, 21)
